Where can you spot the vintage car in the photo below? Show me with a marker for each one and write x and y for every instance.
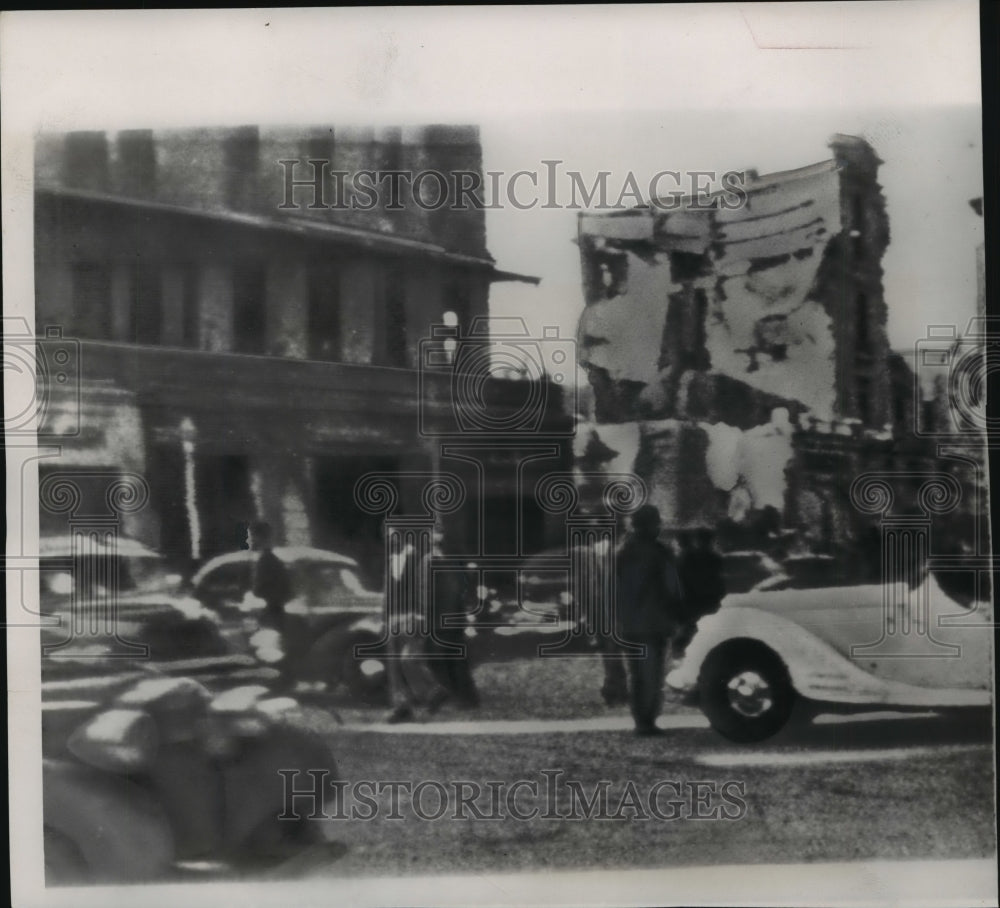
(331, 613)
(147, 777)
(117, 605)
(161, 741)
(834, 649)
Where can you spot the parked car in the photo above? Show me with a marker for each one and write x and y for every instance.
(140, 620)
(161, 740)
(331, 613)
(762, 651)
(156, 778)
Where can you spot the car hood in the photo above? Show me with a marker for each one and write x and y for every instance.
(789, 602)
(845, 617)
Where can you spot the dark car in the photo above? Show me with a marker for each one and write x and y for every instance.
(330, 614)
(161, 740)
(117, 605)
(154, 778)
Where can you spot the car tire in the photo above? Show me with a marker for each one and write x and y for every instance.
(745, 691)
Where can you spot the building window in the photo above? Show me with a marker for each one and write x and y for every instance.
(249, 309)
(137, 162)
(395, 352)
(190, 320)
(87, 161)
(321, 148)
(241, 151)
(92, 300)
(392, 149)
(459, 301)
(324, 334)
(146, 312)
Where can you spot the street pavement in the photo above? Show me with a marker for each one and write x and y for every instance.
(843, 788)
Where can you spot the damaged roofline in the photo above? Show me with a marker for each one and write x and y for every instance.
(499, 276)
(753, 185)
(352, 236)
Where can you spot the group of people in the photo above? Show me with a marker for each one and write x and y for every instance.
(661, 596)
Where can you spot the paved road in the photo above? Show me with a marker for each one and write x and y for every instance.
(883, 787)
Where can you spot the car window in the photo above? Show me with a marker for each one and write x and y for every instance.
(228, 581)
(316, 582)
(172, 636)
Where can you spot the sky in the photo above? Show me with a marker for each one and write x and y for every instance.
(932, 169)
(624, 88)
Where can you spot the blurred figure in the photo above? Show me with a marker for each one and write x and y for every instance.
(649, 602)
(614, 690)
(449, 597)
(273, 584)
(411, 681)
(701, 573)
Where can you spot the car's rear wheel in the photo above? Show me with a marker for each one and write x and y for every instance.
(745, 691)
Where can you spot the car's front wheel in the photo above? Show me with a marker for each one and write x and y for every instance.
(745, 691)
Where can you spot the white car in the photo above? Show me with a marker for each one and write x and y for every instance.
(836, 648)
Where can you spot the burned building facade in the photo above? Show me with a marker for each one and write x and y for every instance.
(738, 355)
(249, 351)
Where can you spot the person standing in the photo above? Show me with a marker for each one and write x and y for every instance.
(701, 572)
(649, 599)
(410, 679)
(273, 584)
(446, 646)
(614, 690)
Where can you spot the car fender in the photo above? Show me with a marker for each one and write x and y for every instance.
(118, 828)
(817, 670)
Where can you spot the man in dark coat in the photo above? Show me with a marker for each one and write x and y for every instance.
(649, 597)
(273, 584)
(271, 581)
(447, 647)
(701, 572)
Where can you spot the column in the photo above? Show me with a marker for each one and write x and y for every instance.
(94, 535)
(172, 290)
(591, 540)
(215, 308)
(905, 550)
(408, 583)
(287, 309)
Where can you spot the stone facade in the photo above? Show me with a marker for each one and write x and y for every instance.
(281, 345)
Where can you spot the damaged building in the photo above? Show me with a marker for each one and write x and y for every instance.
(253, 355)
(738, 356)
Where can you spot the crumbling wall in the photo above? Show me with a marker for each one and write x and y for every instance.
(729, 292)
(695, 472)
